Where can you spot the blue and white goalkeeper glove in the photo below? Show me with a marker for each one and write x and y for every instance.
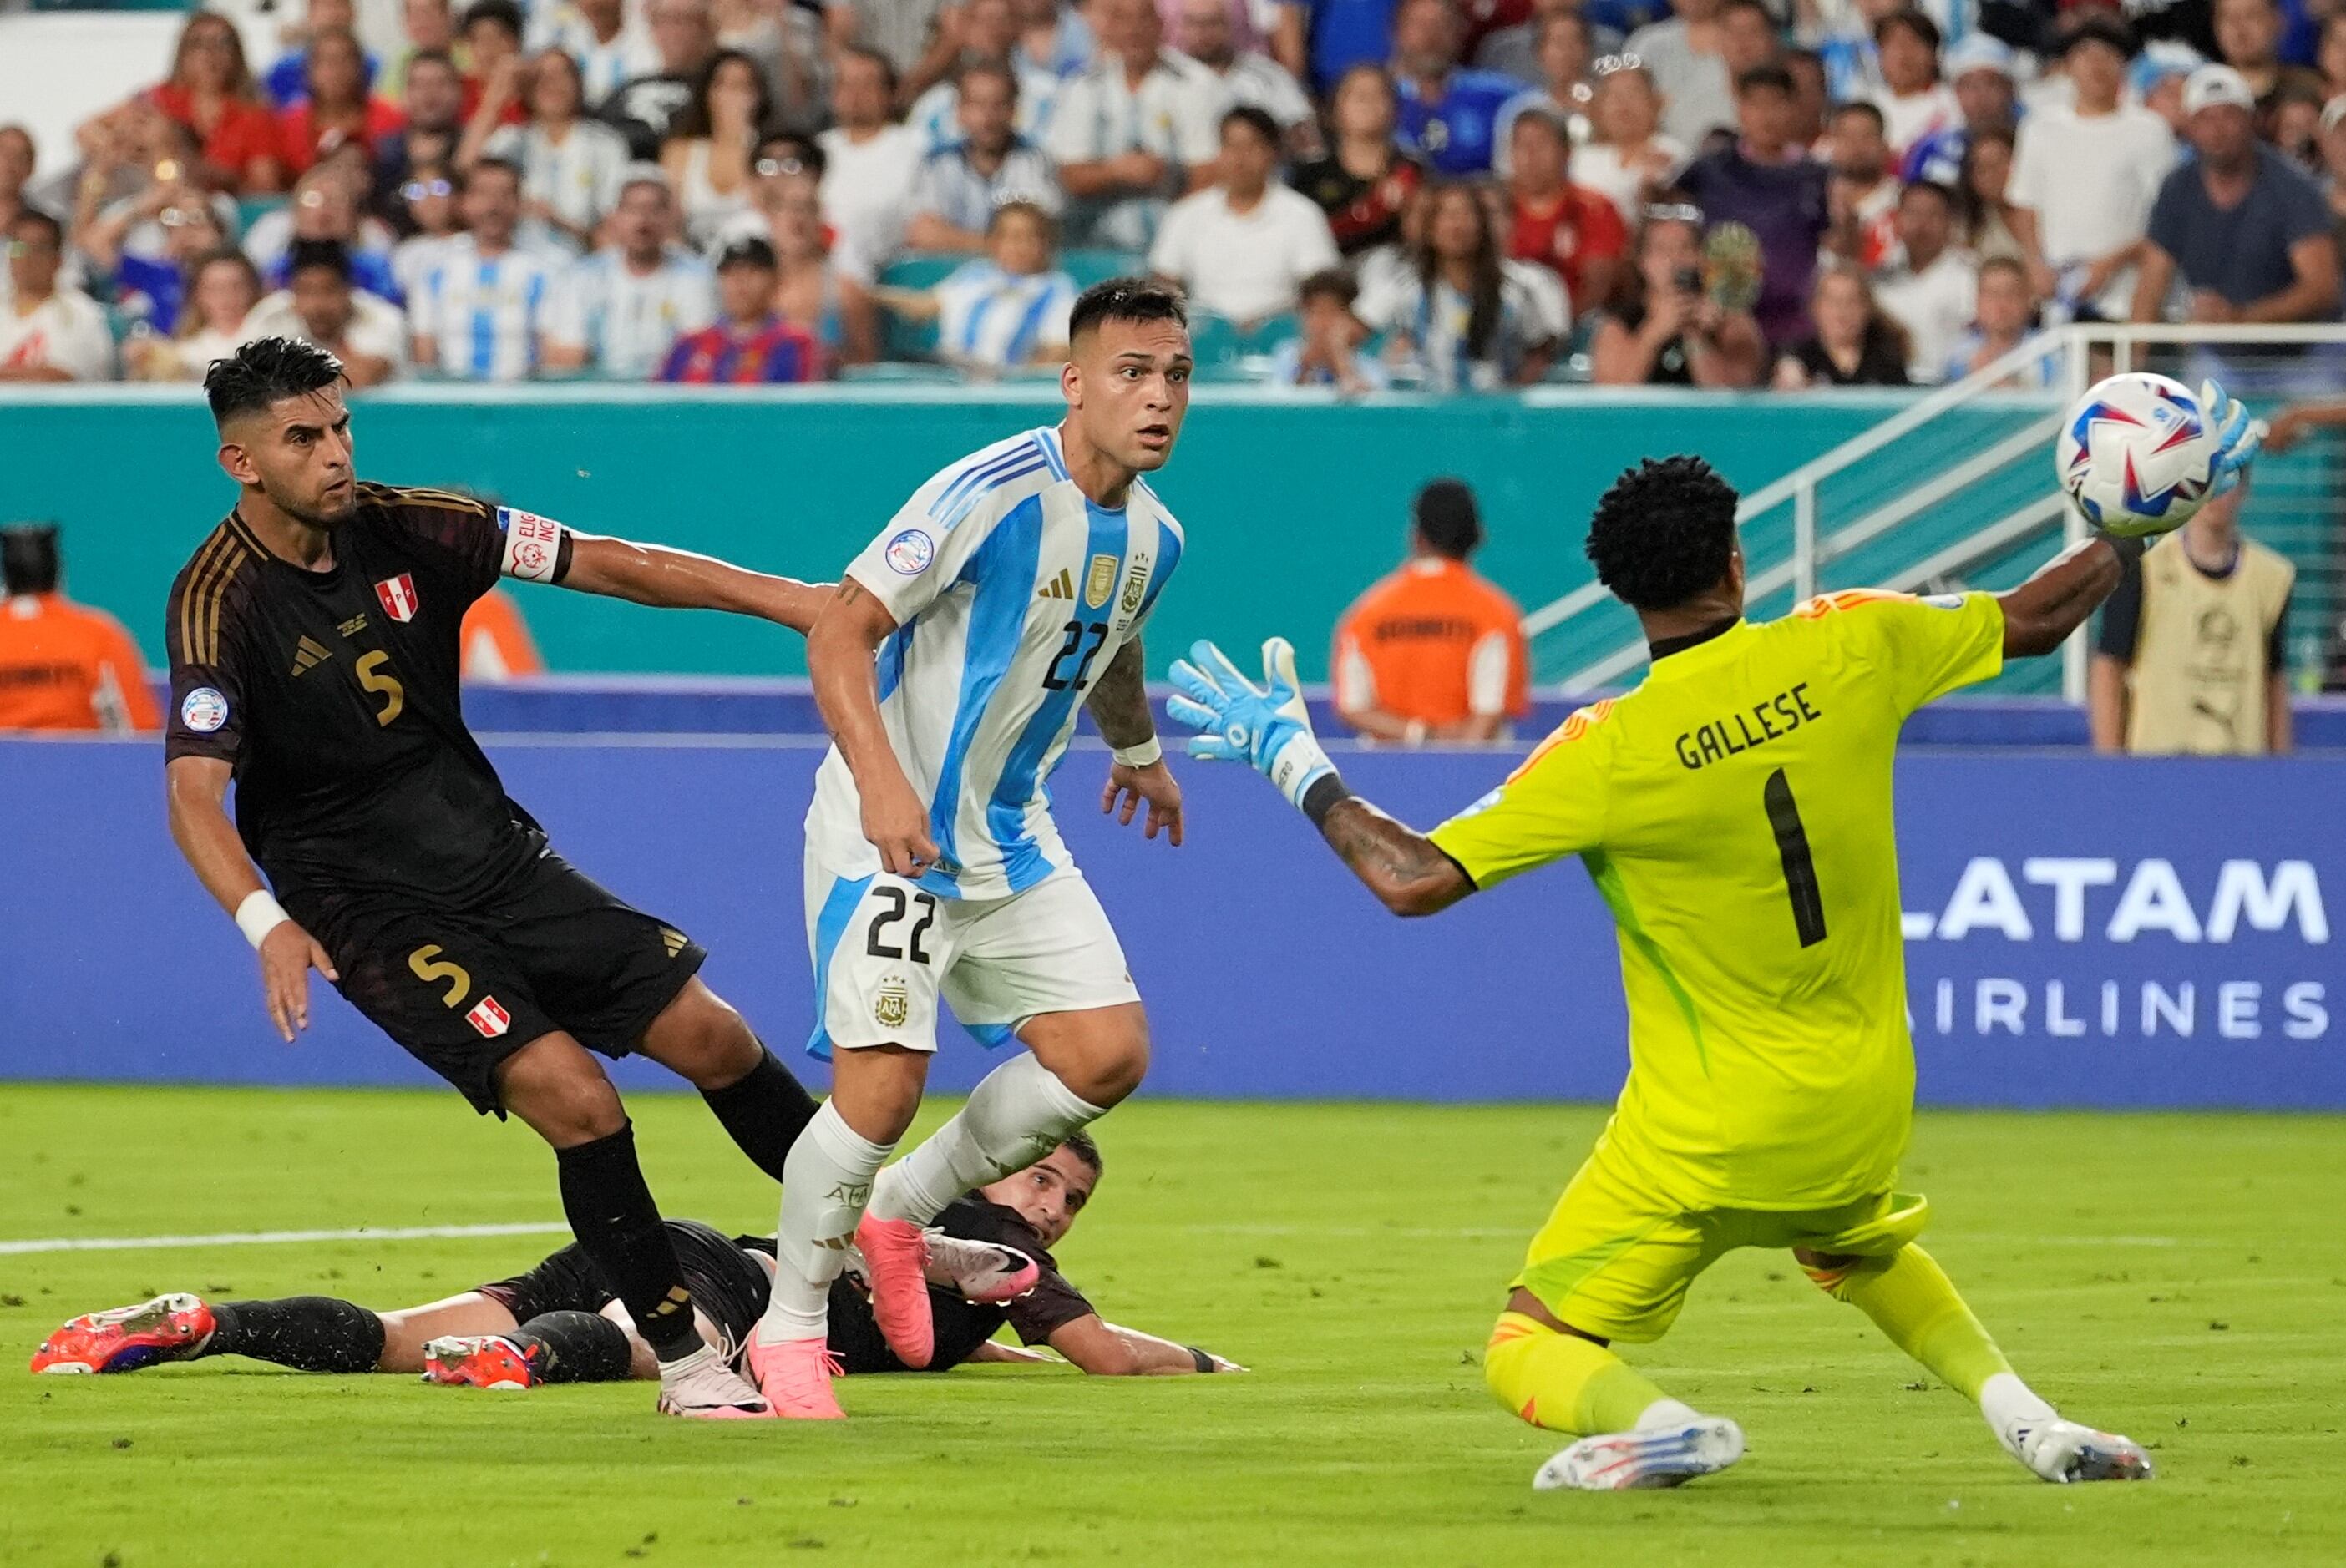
(2238, 436)
(1239, 721)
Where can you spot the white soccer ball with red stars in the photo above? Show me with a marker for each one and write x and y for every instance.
(2137, 455)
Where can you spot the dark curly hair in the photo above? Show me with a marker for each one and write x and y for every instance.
(1126, 299)
(1664, 533)
(266, 371)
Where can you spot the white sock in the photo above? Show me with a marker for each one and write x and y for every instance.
(1665, 1413)
(826, 1181)
(2008, 1404)
(1020, 1113)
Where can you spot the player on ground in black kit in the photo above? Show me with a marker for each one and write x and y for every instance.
(313, 642)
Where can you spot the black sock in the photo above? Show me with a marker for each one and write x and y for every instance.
(764, 1112)
(307, 1333)
(575, 1348)
(612, 1214)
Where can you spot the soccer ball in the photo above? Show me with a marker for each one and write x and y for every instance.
(2137, 455)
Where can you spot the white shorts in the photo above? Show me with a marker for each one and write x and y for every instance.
(885, 950)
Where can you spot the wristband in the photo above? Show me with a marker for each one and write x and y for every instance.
(1298, 765)
(1205, 1362)
(1327, 793)
(258, 915)
(1148, 754)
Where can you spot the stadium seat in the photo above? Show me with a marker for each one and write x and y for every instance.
(1089, 267)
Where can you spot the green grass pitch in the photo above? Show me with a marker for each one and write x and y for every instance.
(2178, 1277)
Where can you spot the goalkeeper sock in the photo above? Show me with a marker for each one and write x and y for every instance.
(570, 1346)
(764, 1112)
(1018, 1114)
(307, 1333)
(1911, 1300)
(826, 1183)
(1568, 1384)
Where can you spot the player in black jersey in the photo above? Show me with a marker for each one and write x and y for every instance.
(558, 1323)
(313, 643)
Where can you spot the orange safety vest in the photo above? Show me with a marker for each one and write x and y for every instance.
(65, 666)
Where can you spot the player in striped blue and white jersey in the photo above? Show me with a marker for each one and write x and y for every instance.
(481, 311)
(1010, 588)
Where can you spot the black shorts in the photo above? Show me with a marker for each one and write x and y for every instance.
(464, 988)
(727, 1285)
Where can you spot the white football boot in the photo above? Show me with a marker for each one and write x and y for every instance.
(2063, 1452)
(1650, 1457)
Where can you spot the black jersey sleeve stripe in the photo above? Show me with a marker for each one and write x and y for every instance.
(191, 591)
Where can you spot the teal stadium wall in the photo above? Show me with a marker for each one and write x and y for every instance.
(1291, 506)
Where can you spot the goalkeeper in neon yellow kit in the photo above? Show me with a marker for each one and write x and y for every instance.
(1734, 812)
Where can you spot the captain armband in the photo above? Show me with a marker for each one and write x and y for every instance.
(538, 549)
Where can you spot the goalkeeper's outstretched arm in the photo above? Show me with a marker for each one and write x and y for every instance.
(1407, 871)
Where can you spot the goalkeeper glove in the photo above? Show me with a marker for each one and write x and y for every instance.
(2237, 436)
(1239, 721)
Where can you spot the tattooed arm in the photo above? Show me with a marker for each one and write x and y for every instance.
(1407, 871)
(1120, 705)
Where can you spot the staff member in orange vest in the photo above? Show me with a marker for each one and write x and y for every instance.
(63, 666)
(494, 643)
(1434, 651)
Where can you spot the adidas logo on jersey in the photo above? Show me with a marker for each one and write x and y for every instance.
(308, 656)
(1062, 586)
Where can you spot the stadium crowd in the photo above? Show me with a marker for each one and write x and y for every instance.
(1449, 194)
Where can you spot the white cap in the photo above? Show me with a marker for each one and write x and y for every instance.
(2332, 112)
(1982, 52)
(2215, 87)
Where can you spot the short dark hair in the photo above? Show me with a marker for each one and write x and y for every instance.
(1945, 193)
(1079, 1143)
(1546, 119)
(330, 254)
(1915, 22)
(433, 57)
(888, 75)
(1330, 283)
(465, 177)
(1870, 110)
(2094, 27)
(1447, 519)
(1766, 75)
(267, 370)
(975, 68)
(1126, 299)
(503, 12)
(751, 250)
(1255, 119)
(1664, 533)
(29, 559)
(1026, 206)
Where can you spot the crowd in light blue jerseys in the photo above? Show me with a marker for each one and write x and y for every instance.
(1354, 195)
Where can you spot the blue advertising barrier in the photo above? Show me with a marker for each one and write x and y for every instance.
(2082, 930)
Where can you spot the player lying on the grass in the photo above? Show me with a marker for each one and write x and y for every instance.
(313, 644)
(989, 1263)
(1734, 812)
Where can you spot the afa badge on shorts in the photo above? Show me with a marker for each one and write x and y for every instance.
(891, 1005)
(1100, 582)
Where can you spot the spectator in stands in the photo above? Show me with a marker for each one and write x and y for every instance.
(1366, 181)
(1514, 51)
(2247, 39)
(2243, 234)
(1326, 349)
(1436, 651)
(1007, 308)
(1682, 56)
(1863, 196)
(870, 160)
(2293, 117)
(2193, 654)
(712, 143)
(787, 42)
(816, 293)
(2332, 178)
(429, 27)
(610, 47)
(685, 37)
(2007, 314)
(49, 331)
(1851, 342)
(1773, 188)
(1137, 130)
(751, 343)
(491, 30)
(1209, 34)
(619, 311)
(1984, 178)
(1630, 158)
(336, 106)
(1842, 32)
(1448, 115)
(571, 166)
(222, 287)
(1669, 331)
(1463, 316)
(2083, 179)
(2157, 77)
(287, 80)
(1564, 62)
(435, 123)
(1931, 286)
(1985, 74)
(1747, 40)
(962, 185)
(1241, 246)
(989, 37)
(1915, 104)
(430, 194)
(325, 206)
(319, 306)
(1320, 40)
(482, 312)
(140, 249)
(918, 38)
(63, 666)
(212, 92)
(17, 162)
(1576, 233)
